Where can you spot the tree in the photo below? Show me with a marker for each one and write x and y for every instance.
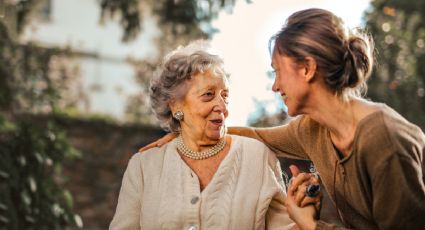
(398, 28)
(31, 198)
(180, 22)
(34, 80)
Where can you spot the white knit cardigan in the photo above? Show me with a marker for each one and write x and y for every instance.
(159, 191)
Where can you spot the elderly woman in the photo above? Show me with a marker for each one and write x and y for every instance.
(204, 179)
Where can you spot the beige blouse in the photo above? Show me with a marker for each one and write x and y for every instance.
(159, 191)
(379, 185)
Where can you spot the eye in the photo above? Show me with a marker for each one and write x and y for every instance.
(207, 96)
(225, 96)
(272, 73)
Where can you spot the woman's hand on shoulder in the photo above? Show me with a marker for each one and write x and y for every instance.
(160, 142)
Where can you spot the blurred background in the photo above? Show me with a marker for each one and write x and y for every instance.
(74, 78)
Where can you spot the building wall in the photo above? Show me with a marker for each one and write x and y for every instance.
(106, 77)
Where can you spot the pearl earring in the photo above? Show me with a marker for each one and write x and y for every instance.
(178, 115)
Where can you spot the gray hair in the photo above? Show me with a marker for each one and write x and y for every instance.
(177, 69)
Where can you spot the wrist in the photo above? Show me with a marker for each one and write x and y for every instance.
(310, 225)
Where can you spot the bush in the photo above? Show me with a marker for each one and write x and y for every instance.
(30, 172)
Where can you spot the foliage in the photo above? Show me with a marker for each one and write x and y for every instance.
(398, 28)
(31, 154)
(31, 197)
(179, 21)
(183, 17)
(138, 107)
(36, 80)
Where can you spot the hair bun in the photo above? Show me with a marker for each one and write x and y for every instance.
(344, 57)
(359, 59)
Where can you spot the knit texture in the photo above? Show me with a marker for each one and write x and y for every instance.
(247, 192)
(379, 185)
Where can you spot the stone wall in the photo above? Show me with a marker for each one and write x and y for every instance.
(95, 179)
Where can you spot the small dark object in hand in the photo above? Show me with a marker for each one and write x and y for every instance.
(312, 190)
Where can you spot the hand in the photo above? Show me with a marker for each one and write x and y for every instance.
(295, 227)
(298, 186)
(303, 216)
(160, 142)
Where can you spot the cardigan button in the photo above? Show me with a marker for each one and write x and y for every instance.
(192, 227)
(194, 200)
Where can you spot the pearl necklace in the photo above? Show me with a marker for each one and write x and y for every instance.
(199, 155)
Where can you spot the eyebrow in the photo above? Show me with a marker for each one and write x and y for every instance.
(208, 88)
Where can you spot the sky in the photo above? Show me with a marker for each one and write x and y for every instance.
(242, 42)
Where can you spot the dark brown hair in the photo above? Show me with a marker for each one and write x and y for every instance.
(344, 57)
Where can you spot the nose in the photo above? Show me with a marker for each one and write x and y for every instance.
(275, 87)
(221, 105)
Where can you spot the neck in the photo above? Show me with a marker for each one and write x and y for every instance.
(198, 143)
(340, 117)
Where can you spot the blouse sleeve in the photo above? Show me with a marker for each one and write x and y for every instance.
(283, 140)
(400, 189)
(397, 180)
(277, 216)
(127, 214)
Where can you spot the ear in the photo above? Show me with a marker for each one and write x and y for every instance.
(173, 105)
(310, 67)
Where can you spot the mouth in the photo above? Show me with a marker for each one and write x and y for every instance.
(283, 96)
(217, 122)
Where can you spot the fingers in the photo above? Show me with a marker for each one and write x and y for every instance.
(290, 203)
(298, 187)
(314, 179)
(309, 201)
(301, 197)
(160, 142)
(297, 181)
(318, 207)
(300, 194)
(149, 146)
(294, 170)
(167, 138)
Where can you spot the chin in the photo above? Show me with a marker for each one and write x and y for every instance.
(293, 112)
(217, 135)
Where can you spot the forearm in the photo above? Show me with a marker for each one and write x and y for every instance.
(279, 139)
(244, 131)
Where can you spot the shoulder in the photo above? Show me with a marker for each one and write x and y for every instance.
(305, 127)
(398, 127)
(388, 133)
(153, 156)
(253, 149)
(246, 143)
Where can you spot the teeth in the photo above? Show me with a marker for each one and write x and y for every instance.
(284, 97)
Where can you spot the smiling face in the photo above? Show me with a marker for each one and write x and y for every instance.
(290, 82)
(204, 107)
